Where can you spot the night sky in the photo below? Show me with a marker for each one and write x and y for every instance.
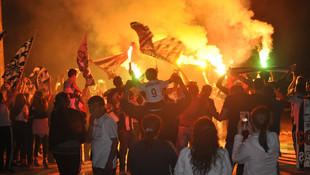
(58, 38)
(291, 22)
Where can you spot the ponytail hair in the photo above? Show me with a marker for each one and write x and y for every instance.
(260, 118)
(151, 124)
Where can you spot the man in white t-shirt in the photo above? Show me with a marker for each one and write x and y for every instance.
(103, 133)
(153, 89)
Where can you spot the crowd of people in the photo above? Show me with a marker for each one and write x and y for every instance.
(157, 134)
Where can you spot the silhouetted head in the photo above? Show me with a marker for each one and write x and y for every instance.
(151, 125)
(258, 84)
(265, 75)
(206, 90)
(96, 106)
(62, 100)
(193, 88)
(236, 89)
(301, 84)
(117, 81)
(151, 74)
(260, 117)
(72, 72)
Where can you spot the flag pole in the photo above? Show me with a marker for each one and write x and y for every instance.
(22, 74)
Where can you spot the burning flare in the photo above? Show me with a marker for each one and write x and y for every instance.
(203, 55)
(264, 56)
(129, 65)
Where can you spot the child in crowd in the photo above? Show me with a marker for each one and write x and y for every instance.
(154, 88)
(73, 91)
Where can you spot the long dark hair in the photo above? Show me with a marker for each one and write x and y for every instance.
(260, 117)
(151, 124)
(204, 145)
(38, 102)
(20, 102)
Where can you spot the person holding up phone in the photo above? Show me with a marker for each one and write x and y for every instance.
(244, 118)
(260, 152)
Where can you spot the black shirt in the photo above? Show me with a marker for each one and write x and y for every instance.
(235, 104)
(153, 161)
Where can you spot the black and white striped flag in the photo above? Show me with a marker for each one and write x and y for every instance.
(169, 48)
(110, 64)
(42, 78)
(15, 68)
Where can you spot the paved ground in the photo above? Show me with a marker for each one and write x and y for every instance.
(287, 161)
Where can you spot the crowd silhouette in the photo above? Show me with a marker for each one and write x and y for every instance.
(154, 127)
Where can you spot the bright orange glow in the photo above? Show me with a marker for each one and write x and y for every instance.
(100, 81)
(129, 53)
(231, 61)
(191, 60)
(264, 56)
(135, 69)
(205, 77)
(203, 55)
(134, 66)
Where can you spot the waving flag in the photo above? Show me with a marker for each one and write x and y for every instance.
(15, 68)
(169, 48)
(42, 77)
(110, 64)
(145, 40)
(82, 61)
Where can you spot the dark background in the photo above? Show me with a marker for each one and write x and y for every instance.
(291, 22)
(290, 19)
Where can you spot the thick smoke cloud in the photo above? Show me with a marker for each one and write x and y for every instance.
(226, 25)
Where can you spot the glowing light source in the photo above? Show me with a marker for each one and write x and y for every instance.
(135, 69)
(100, 81)
(129, 54)
(191, 60)
(205, 78)
(264, 56)
(202, 56)
(130, 65)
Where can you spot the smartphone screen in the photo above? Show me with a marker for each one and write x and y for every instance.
(244, 117)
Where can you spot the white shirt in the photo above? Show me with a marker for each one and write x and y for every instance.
(222, 166)
(153, 90)
(253, 156)
(104, 129)
(21, 116)
(4, 115)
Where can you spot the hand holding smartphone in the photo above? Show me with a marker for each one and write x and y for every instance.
(244, 118)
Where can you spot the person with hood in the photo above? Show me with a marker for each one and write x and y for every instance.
(260, 152)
